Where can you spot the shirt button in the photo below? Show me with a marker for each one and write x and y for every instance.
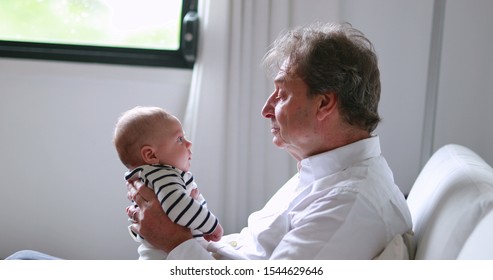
(233, 243)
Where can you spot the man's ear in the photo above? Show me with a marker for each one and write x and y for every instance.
(327, 104)
(148, 155)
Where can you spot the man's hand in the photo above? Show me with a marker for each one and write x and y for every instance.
(150, 221)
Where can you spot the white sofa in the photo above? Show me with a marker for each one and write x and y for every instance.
(451, 205)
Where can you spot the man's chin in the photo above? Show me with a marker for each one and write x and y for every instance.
(278, 142)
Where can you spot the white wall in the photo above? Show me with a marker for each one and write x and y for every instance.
(62, 180)
(465, 94)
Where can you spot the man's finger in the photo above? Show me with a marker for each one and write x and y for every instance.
(141, 194)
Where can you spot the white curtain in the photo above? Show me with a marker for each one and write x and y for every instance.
(234, 162)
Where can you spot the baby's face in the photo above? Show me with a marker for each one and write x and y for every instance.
(172, 146)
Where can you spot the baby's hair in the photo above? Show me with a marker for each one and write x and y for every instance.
(135, 128)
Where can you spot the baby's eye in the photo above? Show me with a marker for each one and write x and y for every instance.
(180, 139)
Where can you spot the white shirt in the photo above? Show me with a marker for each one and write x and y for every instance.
(343, 204)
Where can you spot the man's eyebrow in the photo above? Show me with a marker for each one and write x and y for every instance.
(280, 78)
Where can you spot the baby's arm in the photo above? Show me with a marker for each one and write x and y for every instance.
(215, 235)
(180, 207)
(218, 232)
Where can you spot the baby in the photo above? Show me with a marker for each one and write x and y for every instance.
(151, 144)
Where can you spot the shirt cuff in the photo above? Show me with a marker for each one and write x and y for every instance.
(189, 250)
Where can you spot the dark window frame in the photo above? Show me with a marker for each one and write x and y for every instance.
(107, 55)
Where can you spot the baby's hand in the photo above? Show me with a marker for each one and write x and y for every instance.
(215, 235)
(195, 193)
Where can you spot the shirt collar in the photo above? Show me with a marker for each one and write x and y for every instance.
(327, 163)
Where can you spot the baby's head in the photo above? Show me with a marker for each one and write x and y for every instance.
(150, 135)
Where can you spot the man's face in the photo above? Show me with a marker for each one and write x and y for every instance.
(292, 114)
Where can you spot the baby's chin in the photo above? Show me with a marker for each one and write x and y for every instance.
(186, 168)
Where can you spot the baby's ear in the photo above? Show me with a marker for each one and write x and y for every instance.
(148, 155)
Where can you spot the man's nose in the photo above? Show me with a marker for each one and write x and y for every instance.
(268, 109)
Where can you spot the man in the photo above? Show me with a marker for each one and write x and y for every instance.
(343, 203)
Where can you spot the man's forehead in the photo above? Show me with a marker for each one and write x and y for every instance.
(285, 73)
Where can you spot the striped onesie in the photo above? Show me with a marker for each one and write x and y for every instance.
(172, 187)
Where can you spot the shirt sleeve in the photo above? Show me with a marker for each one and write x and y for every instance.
(189, 250)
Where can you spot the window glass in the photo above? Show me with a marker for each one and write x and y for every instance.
(143, 26)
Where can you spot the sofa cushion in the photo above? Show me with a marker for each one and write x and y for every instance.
(479, 245)
(451, 195)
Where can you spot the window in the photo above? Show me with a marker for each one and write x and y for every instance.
(143, 32)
